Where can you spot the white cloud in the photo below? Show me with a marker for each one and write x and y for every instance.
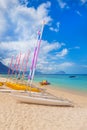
(53, 68)
(58, 24)
(62, 4)
(57, 27)
(45, 56)
(8, 4)
(48, 63)
(66, 64)
(19, 22)
(78, 13)
(54, 29)
(17, 46)
(3, 24)
(19, 25)
(77, 47)
(44, 59)
(83, 1)
(63, 53)
(49, 47)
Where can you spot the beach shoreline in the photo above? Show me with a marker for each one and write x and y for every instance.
(22, 116)
(77, 97)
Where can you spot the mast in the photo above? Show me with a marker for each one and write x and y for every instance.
(17, 63)
(26, 63)
(23, 66)
(35, 57)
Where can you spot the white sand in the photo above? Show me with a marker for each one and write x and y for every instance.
(20, 116)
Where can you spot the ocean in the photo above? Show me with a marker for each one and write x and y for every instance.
(79, 82)
(66, 81)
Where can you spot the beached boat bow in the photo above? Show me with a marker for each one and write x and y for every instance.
(42, 99)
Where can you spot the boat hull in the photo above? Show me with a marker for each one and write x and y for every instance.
(21, 87)
(1, 83)
(42, 101)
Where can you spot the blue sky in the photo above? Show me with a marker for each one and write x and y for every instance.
(64, 42)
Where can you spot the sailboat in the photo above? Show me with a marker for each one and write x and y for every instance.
(35, 97)
(18, 82)
(41, 99)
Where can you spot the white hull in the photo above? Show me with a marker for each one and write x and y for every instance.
(6, 90)
(42, 100)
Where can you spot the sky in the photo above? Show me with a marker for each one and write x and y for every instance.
(64, 40)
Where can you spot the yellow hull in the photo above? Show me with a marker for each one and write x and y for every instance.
(21, 87)
(1, 83)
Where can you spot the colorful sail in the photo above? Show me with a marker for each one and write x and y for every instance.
(35, 57)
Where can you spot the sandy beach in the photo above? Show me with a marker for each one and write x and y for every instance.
(21, 116)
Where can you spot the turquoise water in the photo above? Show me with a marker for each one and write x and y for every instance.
(64, 81)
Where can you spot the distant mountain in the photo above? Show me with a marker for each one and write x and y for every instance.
(3, 69)
(61, 72)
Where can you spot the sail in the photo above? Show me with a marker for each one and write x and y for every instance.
(35, 56)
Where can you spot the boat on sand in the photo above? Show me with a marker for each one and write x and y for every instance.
(41, 99)
(44, 82)
(17, 86)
